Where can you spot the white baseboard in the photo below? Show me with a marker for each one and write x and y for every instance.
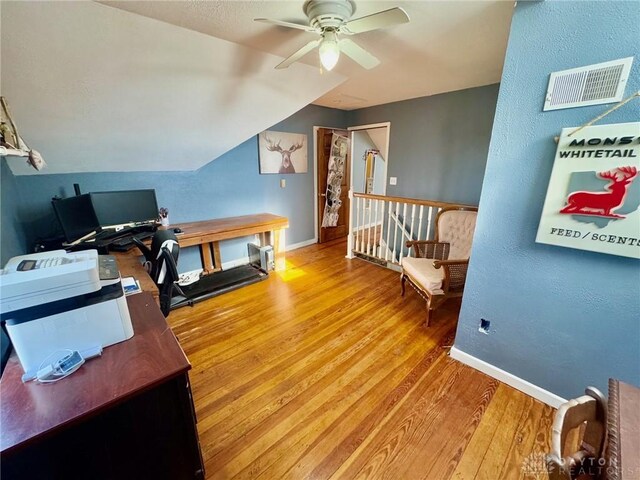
(235, 263)
(197, 271)
(295, 246)
(244, 260)
(518, 383)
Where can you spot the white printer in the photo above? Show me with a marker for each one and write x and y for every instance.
(56, 300)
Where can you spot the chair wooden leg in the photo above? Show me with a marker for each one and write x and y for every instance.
(403, 279)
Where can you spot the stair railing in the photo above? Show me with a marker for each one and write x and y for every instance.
(379, 226)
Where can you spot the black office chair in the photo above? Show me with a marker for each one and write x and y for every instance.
(162, 265)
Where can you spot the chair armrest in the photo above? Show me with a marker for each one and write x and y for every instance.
(446, 263)
(455, 273)
(429, 249)
(143, 249)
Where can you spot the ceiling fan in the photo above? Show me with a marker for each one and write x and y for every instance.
(331, 19)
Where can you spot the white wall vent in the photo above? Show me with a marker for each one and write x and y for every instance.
(591, 85)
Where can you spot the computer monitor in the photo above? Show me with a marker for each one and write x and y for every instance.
(125, 206)
(76, 216)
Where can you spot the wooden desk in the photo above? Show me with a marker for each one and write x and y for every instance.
(208, 233)
(127, 414)
(130, 266)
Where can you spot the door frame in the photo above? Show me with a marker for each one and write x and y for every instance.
(385, 153)
(386, 172)
(316, 233)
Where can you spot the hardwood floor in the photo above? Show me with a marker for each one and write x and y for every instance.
(325, 371)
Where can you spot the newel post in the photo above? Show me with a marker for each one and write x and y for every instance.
(350, 235)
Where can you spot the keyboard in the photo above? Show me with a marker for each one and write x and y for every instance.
(107, 234)
(126, 243)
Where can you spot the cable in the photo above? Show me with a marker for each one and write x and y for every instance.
(53, 372)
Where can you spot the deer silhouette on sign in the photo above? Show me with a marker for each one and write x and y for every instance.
(603, 203)
(285, 166)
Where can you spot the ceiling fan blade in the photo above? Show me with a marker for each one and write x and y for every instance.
(280, 23)
(386, 18)
(299, 54)
(358, 54)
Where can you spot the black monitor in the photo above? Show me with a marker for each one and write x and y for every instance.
(76, 216)
(125, 206)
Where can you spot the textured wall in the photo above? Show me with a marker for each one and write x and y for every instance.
(438, 145)
(95, 88)
(11, 230)
(561, 319)
(229, 186)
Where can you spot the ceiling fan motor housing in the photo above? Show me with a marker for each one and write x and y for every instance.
(328, 13)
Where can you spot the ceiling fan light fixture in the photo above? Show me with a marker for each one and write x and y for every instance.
(329, 50)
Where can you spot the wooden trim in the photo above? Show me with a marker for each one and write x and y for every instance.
(217, 259)
(208, 231)
(416, 201)
(207, 260)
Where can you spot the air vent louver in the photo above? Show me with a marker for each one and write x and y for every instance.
(590, 85)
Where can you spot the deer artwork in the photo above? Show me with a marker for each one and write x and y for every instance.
(602, 203)
(285, 166)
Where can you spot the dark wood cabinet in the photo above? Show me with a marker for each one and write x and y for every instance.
(126, 415)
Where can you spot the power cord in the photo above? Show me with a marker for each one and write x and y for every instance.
(50, 372)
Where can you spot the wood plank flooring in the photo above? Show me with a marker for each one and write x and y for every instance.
(324, 372)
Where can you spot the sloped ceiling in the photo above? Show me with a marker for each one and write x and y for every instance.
(447, 45)
(379, 138)
(98, 89)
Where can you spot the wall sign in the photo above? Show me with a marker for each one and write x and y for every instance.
(593, 200)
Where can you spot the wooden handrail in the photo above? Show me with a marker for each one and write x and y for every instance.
(413, 201)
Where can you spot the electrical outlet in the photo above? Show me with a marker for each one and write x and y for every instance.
(484, 326)
(283, 183)
(393, 180)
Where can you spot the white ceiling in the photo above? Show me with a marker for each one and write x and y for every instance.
(447, 46)
(97, 89)
(174, 85)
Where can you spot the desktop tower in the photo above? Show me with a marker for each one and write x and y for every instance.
(261, 257)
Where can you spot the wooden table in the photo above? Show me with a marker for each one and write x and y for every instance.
(207, 235)
(127, 414)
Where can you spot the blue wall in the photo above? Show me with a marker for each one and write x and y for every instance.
(437, 149)
(12, 238)
(438, 145)
(228, 186)
(561, 319)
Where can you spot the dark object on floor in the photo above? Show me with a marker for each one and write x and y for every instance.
(218, 283)
(162, 259)
(177, 230)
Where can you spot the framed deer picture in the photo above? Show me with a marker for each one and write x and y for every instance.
(593, 199)
(282, 152)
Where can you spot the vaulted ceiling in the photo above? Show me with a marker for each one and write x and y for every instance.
(447, 45)
(156, 85)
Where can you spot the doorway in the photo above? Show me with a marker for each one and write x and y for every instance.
(369, 158)
(333, 178)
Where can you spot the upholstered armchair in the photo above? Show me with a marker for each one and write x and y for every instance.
(438, 268)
